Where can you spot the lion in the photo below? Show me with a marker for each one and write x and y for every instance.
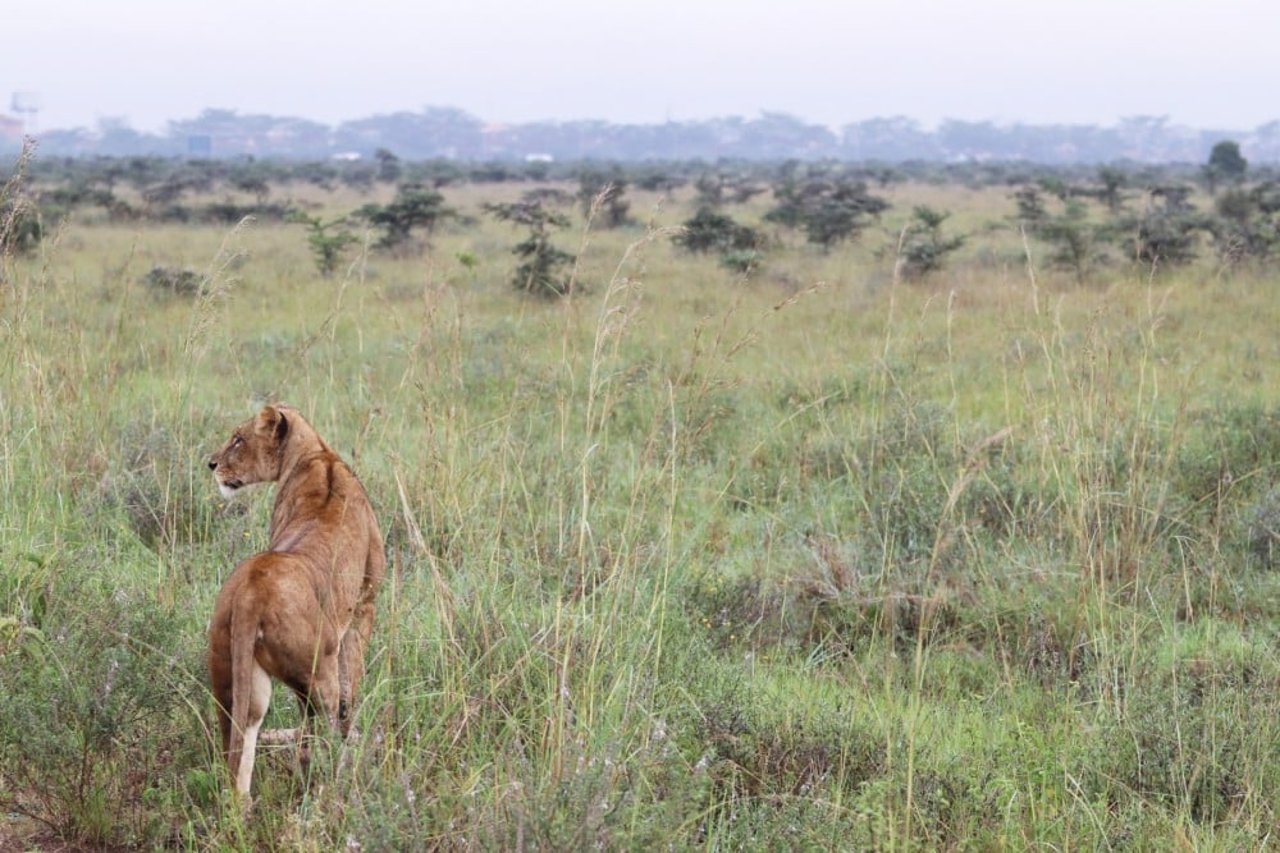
(302, 610)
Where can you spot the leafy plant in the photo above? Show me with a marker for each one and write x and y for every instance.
(924, 247)
(1074, 240)
(329, 241)
(718, 188)
(1031, 209)
(609, 187)
(1168, 232)
(1226, 165)
(414, 207)
(173, 281)
(742, 261)
(21, 229)
(541, 262)
(1111, 191)
(1247, 227)
(829, 211)
(89, 691)
(389, 168)
(709, 231)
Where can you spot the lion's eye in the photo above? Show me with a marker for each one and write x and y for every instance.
(236, 442)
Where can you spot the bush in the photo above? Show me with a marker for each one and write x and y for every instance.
(742, 261)
(1247, 227)
(1074, 241)
(924, 248)
(829, 211)
(173, 281)
(1031, 210)
(414, 207)
(608, 187)
(538, 272)
(1167, 234)
(329, 241)
(91, 722)
(1194, 734)
(709, 231)
(1262, 523)
(20, 228)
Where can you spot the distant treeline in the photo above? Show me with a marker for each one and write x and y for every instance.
(1089, 217)
(436, 132)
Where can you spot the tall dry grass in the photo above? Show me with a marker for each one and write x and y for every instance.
(818, 558)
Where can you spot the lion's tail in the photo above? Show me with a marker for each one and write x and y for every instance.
(250, 691)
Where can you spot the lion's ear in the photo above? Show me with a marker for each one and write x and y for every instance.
(272, 420)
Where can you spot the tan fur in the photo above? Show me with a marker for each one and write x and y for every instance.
(302, 610)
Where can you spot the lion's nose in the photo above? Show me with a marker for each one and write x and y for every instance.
(213, 465)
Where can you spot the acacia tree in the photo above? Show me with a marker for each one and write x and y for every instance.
(329, 241)
(1111, 192)
(1226, 165)
(610, 186)
(1167, 232)
(925, 248)
(1074, 240)
(389, 169)
(1247, 225)
(539, 271)
(1031, 210)
(254, 184)
(829, 211)
(414, 207)
(716, 188)
(709, 231)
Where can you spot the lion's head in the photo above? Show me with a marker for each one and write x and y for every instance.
(253, 453)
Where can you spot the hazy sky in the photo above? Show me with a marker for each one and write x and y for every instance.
(1205, 64)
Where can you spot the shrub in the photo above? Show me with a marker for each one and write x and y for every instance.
(230, 213)
(829, 211)
(1168, 232)
(1031, 210)
(709, 231)
(173, 281)
(538, 272)
(1074, 240)
(414, 207)
(90, 726)
(20, 227)
(1194, 733)
(924, 247)
(1247, 226)
(609, 187)
(329, 241)
(1262, 523)
(742, 261)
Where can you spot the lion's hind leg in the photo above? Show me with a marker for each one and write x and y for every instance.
(259, 701)
(351, 661)
(318, 696)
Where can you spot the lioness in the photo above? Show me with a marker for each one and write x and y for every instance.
(302, 610)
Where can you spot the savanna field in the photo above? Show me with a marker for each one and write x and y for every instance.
(792, 550)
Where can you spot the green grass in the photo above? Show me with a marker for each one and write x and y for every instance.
(814, 559)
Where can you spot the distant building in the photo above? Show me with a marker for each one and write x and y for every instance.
(200, 145)
(10, 128)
